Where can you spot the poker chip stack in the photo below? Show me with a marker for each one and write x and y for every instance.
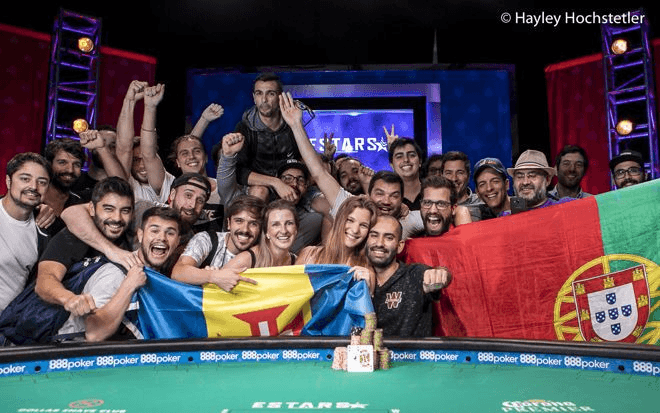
(369, 335)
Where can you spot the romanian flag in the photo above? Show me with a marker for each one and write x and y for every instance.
(298, 299)
(586, 270)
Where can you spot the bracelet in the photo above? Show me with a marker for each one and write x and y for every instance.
(148, 130)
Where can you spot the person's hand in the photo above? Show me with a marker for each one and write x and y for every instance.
(291, 113)
(285, 192)
(362, 273)
(46, 216)
(228, 278)
(391, 136)
(91, 139)
(79, 305)
(136, 276)
(212, 112)
(329, 148)
(135, 90)
(461, 215)
(154, 95)
(232, 143)
(436, 279)
(126, 259)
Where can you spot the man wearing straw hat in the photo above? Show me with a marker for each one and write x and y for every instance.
(531, 177)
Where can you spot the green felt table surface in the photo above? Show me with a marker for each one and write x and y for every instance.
(315, 386)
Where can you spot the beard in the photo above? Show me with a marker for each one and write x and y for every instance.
(435, 224)
(380, 262)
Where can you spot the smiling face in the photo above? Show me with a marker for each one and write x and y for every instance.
(531, 185)
(349, 178)
(66, 169)
(626, 175)
(491, 188)
(281, 229)
(436, 210)
(456, 172)
(570, 170)
(189, 201)
(387, 197)
(112, 214)
(406, 162)
(27, 186)
(243, 229)
(158, 239)
(190, 156)
(384, 242)
(356, 227)
(138, 170)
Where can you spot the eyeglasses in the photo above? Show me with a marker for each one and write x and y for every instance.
(441, 205)
(529, 175)
(288, 179)
(633, 171)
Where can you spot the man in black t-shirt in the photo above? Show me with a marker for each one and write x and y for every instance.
(403, 297)
(112, 211)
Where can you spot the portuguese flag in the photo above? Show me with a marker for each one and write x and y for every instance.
(296, 299)
(582, 270)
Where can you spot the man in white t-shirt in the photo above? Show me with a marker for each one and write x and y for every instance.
(28, 177)
(200, 263)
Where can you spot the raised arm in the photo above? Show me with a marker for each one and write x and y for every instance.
(292, 115)
(125, 130)
(211, 113)
(149, 139)
(93, 141)
(225, 176)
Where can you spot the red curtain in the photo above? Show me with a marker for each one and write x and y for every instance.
(23, 92)
(24, 65)
(577, 113)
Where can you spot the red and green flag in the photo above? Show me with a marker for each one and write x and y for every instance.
(582, 270)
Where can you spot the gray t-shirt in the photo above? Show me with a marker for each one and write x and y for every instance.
(412, 223)
(18, 254)
(200, 247)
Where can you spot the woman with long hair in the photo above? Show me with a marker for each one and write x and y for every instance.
(347, 238)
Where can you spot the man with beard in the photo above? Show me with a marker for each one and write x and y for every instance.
(437, 205)
(492, 185)
(456, 168)
(111, 209)
(531, 177)
(348, 174)
(200, 263)
(108, 291)
(404, 294)
(21, 241)
(269, 141)
(627, 169)
(67, 158)
(571, 163)
(406, 160)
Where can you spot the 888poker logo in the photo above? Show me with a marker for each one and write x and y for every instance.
(598, 304)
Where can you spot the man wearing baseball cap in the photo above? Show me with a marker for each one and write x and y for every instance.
(531, 177)
(492, 184)
(627, 169)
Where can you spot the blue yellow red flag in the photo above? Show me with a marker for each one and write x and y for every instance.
(297, 299)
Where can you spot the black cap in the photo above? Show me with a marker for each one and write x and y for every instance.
(293, 164)
(627, 155)
(194, 179)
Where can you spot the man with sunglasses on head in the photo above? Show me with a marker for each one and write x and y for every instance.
(627, 169)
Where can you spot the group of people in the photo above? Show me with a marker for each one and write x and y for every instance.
(275, 201)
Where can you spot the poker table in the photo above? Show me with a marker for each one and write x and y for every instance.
(295, 373)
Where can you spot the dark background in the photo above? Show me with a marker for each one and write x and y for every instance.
(349, 33)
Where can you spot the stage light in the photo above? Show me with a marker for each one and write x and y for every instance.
(80, 125)
(620, 46)
(85, 44)
(624, 127)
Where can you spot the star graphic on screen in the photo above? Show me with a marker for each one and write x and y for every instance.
(382, 145)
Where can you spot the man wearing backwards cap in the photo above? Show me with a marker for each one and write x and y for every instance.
(531, 177)
(492, 184)
(627, 169)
